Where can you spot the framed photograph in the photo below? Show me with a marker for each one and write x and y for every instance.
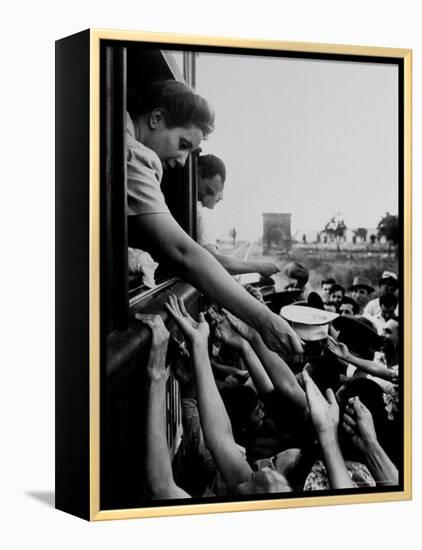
(233, 276)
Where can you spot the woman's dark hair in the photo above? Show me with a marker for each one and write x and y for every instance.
(180, 104)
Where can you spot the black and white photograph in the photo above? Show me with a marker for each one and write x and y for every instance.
(251, 288)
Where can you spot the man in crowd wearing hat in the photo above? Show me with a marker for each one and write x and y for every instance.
(388, 284)
(309, 323)
(361, 289)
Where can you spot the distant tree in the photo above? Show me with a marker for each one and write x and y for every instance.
(388, 227)
(372, 238)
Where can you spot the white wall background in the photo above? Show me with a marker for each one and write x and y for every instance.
(27, 274)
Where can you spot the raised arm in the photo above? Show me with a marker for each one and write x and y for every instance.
(215, 422)
(280, 374)
(359, 424)
(167, 241)
(158, 471)
(342, 352)
(260, 378)
(325, 417)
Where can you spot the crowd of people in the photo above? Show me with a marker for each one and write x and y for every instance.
(256, 422)
(299, 397)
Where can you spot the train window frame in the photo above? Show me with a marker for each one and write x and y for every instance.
(125, 68)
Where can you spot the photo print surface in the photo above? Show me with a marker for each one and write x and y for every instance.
(251, 275)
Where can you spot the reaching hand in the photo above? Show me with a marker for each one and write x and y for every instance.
(256, 293)
(228, 335)
(156, 366)
(213, 317)
(337, 348)
(359, 424)
(160, 335)
(324, 412)
(244, 330)
(194, 331)
(267, 269)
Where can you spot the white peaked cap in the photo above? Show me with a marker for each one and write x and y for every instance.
(308, 322)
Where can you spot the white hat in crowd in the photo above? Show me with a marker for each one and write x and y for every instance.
(309, 323)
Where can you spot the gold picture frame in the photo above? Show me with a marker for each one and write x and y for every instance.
(78, 478)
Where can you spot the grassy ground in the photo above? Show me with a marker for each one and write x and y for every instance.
(326, 262)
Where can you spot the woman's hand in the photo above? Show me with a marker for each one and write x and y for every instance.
(278, 335)
(325, 413)
(338, 349)
(196, 332)
(156, 366)
(359, 424)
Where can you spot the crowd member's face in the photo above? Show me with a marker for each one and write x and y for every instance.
(388, 287)
(257, 417)
(326, 288)
(172, 145)
(265, 480)
(387, 312)
(336, 296)
(209, 201)
(346, 310)
(360, 295)
(390, 334)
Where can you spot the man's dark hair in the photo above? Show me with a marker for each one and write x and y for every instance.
(350, 301)
(295, 270)
(182, 107)
(388, 300)
(210, 166)
(337, 287)
(329, 281)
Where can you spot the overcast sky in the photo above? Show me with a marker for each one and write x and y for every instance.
(313, 138)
